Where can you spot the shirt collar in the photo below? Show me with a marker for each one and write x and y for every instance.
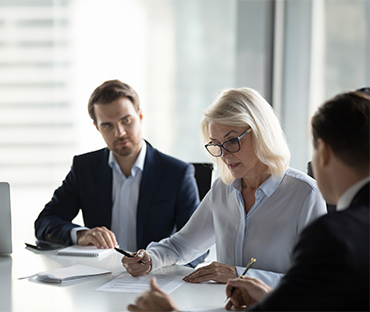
(139, 163)
(268, 187)
(347, 197)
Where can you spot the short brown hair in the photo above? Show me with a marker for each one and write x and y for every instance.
(109, 92)
(343, 123)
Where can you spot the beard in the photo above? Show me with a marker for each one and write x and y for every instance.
(128, 149)
(123, 151)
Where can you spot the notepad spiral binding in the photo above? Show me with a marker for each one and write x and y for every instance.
(50, 280)
(77, 254)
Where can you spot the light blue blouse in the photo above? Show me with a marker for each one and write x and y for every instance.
(283, 206)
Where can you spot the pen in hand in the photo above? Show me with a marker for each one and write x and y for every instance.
(241, 276)
(127, 254)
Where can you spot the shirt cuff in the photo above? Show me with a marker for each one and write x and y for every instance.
(74, 231)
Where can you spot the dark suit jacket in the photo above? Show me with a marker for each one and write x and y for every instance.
(168, 197)
(330, 269)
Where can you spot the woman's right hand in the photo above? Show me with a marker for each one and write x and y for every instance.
(139, 264)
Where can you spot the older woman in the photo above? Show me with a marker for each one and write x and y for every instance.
(258, 206)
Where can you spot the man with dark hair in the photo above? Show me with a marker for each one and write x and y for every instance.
(330, 265)
(129, 193)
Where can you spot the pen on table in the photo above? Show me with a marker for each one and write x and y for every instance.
(241, 276)
(33, 246)
(127, 254)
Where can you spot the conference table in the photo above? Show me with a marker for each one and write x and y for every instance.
(30, 295)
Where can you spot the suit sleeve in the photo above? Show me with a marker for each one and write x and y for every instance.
(187, 197)
(54, 223)
(313, 282)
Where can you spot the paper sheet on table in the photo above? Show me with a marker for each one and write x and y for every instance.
(128, 284)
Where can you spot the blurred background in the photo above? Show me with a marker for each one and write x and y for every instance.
(178, 55)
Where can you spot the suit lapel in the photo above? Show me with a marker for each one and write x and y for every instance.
(104, 182)
(152, 172)
(362, 196)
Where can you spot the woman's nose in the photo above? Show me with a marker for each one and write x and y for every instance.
(225, 154)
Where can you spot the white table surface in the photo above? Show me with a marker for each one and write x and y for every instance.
(28, 295)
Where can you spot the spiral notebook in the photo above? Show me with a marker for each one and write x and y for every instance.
(71, 273)
(83, 251)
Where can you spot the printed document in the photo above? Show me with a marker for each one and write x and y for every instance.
(128, 284)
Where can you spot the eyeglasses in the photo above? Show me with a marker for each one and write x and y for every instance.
(231, 145)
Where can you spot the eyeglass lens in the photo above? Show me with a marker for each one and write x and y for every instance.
(231, 146)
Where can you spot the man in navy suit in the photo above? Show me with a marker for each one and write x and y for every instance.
(330, 265)
(129, 193)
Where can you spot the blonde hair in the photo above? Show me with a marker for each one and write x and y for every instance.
(245, 107)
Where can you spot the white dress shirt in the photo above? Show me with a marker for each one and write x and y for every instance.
(347, 197)
(125, 197)
(283, 207)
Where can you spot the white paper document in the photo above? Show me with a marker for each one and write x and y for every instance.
(128, 284)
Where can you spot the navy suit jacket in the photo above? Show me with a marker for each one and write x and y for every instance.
(168, 196)
(330, 269)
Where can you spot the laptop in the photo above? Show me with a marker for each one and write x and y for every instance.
(5, 220)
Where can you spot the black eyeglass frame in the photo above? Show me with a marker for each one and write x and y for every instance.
(222, 146)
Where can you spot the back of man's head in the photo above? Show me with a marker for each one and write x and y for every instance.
(343, 123)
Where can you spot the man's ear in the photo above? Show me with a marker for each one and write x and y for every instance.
(140, 114)
(324, 151)
(96, 126)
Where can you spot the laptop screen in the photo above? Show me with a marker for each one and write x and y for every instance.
(5, 219)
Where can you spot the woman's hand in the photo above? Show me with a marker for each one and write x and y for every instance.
(216, 271)
(246, 291)
(139, 264)
(153, 300)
